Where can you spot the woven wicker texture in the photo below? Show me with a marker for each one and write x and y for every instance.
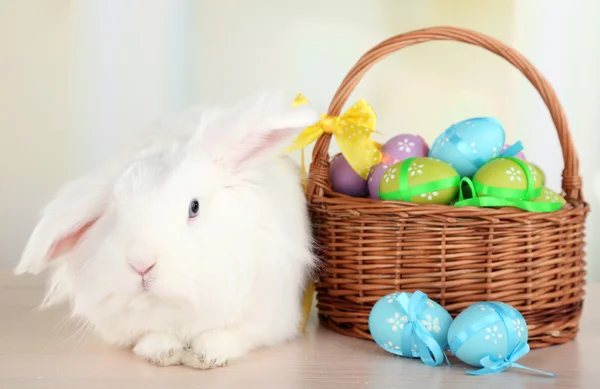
(458, 256)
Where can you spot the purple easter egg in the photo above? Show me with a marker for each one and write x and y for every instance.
(405, 146)
(519, 155)
(345, 180)
(374, 179)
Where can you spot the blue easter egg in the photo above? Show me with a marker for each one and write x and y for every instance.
(486, 329)
(388, 320)
(468, 145)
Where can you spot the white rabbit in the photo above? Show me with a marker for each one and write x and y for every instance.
(194, 246)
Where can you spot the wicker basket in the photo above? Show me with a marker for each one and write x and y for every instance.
(458, 256)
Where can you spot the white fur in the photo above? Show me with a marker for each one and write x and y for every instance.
(224, 283)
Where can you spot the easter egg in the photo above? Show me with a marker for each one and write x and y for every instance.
(388, 320)
(404, 146)
(535, 170)
(468, 145)
(509, 178)
(374, 179)
(486, 329)
(549, 196)
(421, 180)
(509, 182)
(518, 155)
(344, 179)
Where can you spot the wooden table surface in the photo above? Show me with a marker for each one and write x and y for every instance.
(39, 350)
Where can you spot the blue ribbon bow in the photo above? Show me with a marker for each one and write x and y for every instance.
(493, 365)
(513, 150)
(430, 351)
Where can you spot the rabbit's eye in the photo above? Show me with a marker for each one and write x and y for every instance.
(194, 207)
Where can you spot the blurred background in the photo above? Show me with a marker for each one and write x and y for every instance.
(77, 77)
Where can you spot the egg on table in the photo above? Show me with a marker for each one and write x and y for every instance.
(388, 321)
(486, 329)
(469, 144)
(421, 180)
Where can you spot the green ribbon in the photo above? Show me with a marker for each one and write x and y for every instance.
(403, 180)
(505, 193)
(497, 200)
(466, 181)
(497, 203)
(492, 196)
(528, 194)
(406, 194)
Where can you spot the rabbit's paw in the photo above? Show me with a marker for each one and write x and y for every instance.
(214, 349)
(160, 349)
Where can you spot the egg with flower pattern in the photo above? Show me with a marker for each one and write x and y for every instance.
(469, 144)
(549, 196)
(388, 320)
(486, 329)
(509, 178)
(403, 146)
(421, 180)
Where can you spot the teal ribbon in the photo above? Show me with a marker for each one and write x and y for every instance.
(465, 150)
(429, 349)
(511, 340)
(472, 328)
(513, 150)
(493, 365)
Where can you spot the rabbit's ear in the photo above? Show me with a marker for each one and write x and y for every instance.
(65, 221)
(252, 132)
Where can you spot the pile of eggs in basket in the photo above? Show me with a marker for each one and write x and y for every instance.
(412, 171)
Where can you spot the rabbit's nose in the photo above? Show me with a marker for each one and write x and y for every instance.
(142, 268)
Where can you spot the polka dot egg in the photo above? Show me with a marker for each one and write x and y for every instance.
(388, 321)
(468, 145)
(486, 329)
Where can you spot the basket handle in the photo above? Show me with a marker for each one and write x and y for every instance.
(571, 181)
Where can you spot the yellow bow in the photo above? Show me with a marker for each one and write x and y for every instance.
(352, 133)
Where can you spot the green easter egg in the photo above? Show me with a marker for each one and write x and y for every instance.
(537, 173)
(421, 180)
(509, 178)
(549, 196)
